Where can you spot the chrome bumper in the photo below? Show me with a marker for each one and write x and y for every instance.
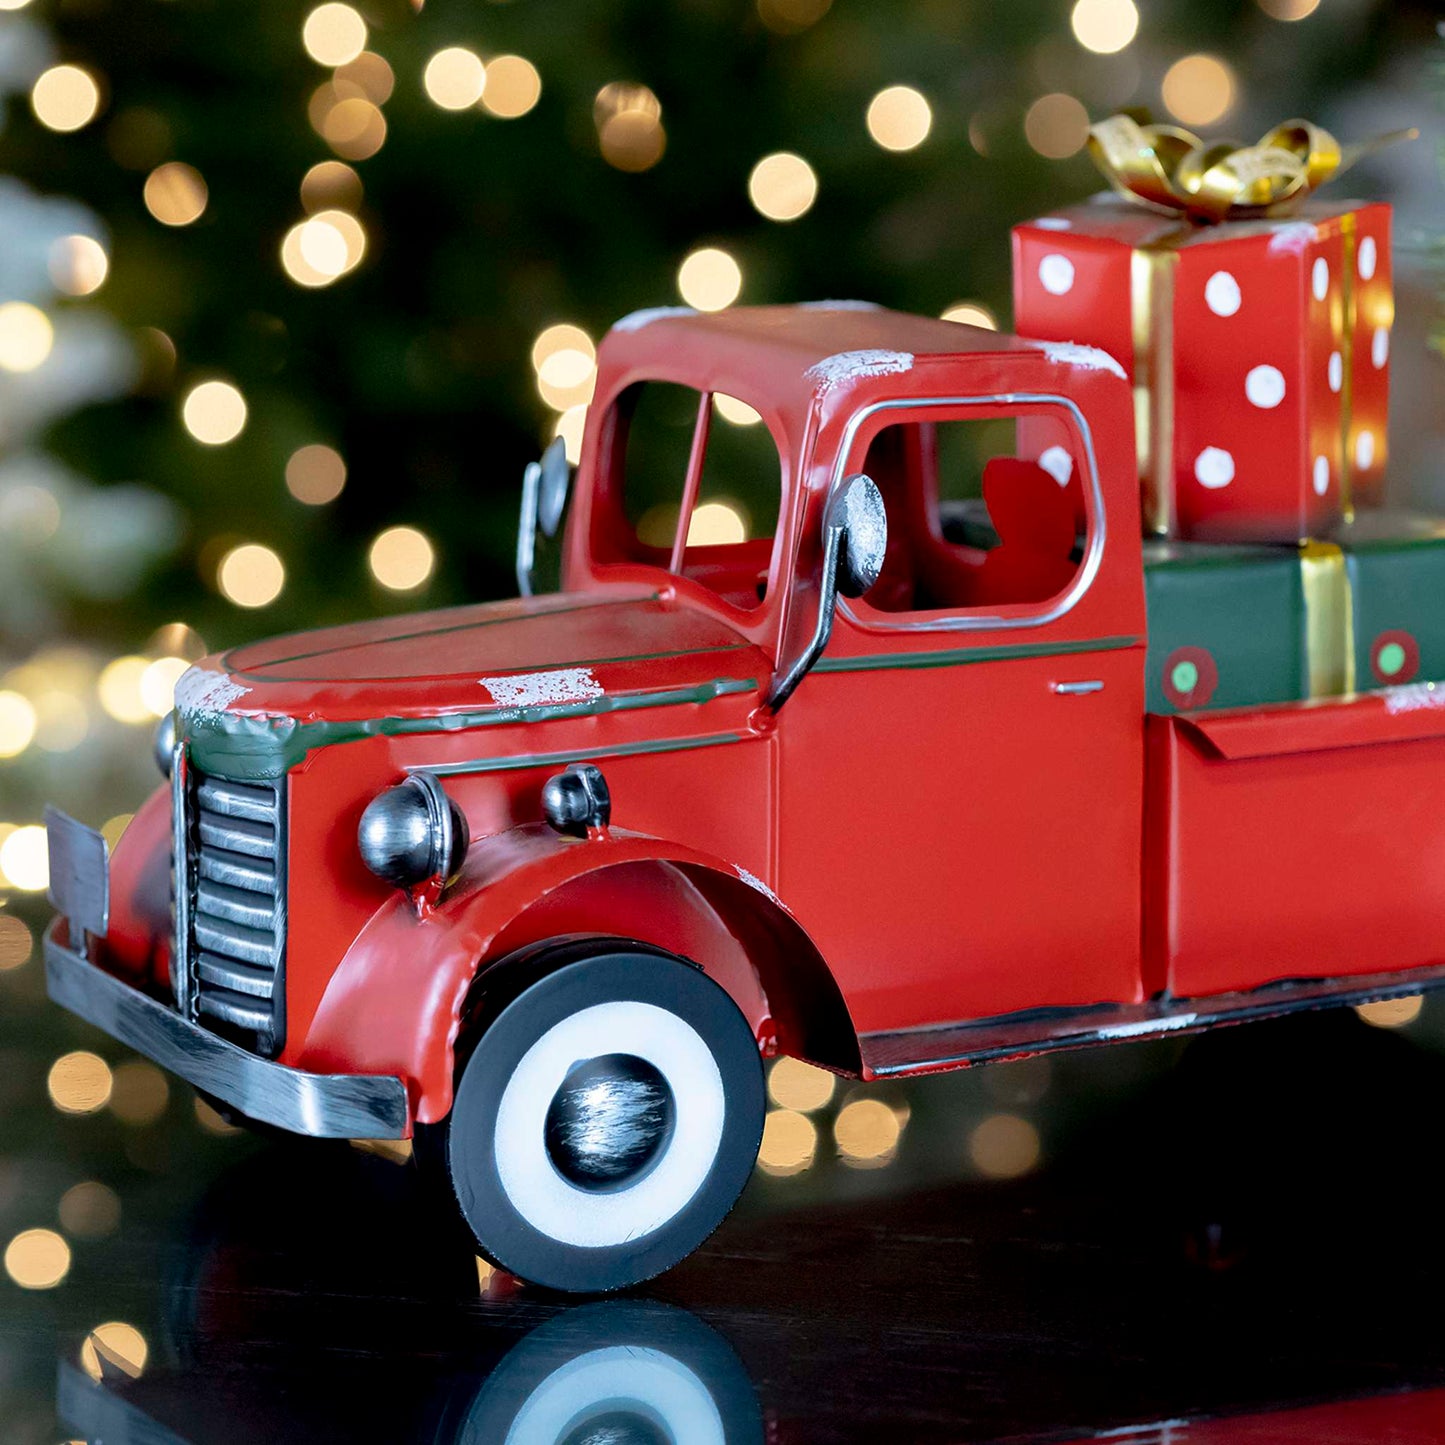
(325, 1106)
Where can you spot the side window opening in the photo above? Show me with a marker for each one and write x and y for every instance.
(699, 483)
(983, 513)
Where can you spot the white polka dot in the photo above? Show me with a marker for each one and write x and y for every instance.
(1321, 278)
(1264, 386)
(1054, 223)
(1380, 347)
(1222, 294)
(1057, 274)
(1214, 468)
(1365, 451)
(1368, 258)
(1337, 371)
(1322, 476)
(1058, 464)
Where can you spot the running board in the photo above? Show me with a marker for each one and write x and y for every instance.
(1013, 1036)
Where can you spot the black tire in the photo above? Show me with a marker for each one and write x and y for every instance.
(627, 1089)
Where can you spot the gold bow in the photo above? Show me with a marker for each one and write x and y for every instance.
(1168, 168)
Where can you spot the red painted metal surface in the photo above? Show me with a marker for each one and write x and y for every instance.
(961, 813)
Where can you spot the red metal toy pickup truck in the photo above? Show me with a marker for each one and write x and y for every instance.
(874, 779)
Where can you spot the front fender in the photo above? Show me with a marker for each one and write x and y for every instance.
(396, 1001)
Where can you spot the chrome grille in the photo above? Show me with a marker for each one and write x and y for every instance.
(235, 921)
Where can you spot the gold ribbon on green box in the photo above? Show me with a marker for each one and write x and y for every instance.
(1171, 171)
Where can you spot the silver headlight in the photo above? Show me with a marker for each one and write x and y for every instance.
(413, 833)
(164, 742)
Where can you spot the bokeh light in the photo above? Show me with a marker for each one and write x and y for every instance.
(789, 17)
(214, 412)
(25, 859)
(1057, 126)
(123, 1346)
(333, 34)
(1199, 90)
(80, 1082)
(331, 185)
(251, 575)
(65, 98)
(119, 688)
(77, 264)
(570, 427)
(512, 87)
(351, 125)
(1392, 1013)
(716, 524)
(709, 279)
(565, 360)
(210, 1121)
(37, 1259)
(739, 413)
(1105, 26)
(158, 684)
(454, 78)
(16, 944)
(792, 1084)
(315, 474)
(783, 186)
(1289, 10)
(17, 723)
(176, 194)
(26, 336)
(89, 1210)
(370, 74)
(112, 829)
(971, 313)
(1004, 1146)
(790, 1141)
(899, 118)
(139, 1094)
(630, 132)
(401, 559)
(866, 1132)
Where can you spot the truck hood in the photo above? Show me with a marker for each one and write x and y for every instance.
(528, 658)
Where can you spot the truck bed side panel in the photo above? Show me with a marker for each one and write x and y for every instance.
(1303, 841)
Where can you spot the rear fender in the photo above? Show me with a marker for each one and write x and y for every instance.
(397, 1000)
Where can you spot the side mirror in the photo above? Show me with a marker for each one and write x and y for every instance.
(544, 497)
(855, 542)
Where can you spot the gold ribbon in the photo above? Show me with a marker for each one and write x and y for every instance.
(1170, 169)
(1329, 619)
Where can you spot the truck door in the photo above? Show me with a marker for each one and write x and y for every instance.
(960, 775)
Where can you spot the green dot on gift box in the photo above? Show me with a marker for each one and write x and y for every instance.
(1391, 659)
(1184, 677)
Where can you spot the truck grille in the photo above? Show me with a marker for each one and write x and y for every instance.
(235, 945)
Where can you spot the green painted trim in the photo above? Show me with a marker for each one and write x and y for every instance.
(961, 656)
(582, 755)
(252, 749)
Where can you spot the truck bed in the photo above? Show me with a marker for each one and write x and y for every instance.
(1296, 840)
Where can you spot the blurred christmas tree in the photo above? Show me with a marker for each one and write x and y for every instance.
(334, 274)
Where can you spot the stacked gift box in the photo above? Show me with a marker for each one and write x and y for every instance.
(1253, 322)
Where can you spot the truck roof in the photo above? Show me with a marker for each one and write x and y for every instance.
(781, 359)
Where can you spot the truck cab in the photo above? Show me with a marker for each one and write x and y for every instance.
(832, 743)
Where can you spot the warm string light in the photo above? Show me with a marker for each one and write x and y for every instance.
(251, 575)
(65, 98)
(333, 34)
(78, 265)
(315, 474)
(1199, 90)
(783, 186)
(176, 194)
(970, 313)
(1105, 26)
(25, 859)
(899, 118)
(709, 279)
(402, 559)
(630, 132)
(26, 336)
(123, 1346)
(1057, 126)
(214, 412)
(454, 78)
(513, 87)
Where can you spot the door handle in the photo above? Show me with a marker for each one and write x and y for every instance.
(1077, 689)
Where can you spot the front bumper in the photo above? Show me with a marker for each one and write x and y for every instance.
(326, 1106)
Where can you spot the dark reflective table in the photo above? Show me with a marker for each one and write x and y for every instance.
(1234, 1238)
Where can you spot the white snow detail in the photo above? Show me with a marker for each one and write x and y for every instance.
(1071, 353)
(839, 306)
(1264, 386)
(1057, 462)
(1147, 1026)
(1222, 294)
(202, 691)
(1054, 223)
(753, 881)
(1294, 236)
(846, 366)
(1056, 274)
(1413, 696)
(542, 689)
(1214, 468)
(636, 320)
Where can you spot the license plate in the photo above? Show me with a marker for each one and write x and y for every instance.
(79, 874)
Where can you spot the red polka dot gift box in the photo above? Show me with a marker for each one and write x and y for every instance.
(1259, 352)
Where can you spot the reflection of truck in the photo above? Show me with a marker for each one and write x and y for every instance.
(549, 875)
